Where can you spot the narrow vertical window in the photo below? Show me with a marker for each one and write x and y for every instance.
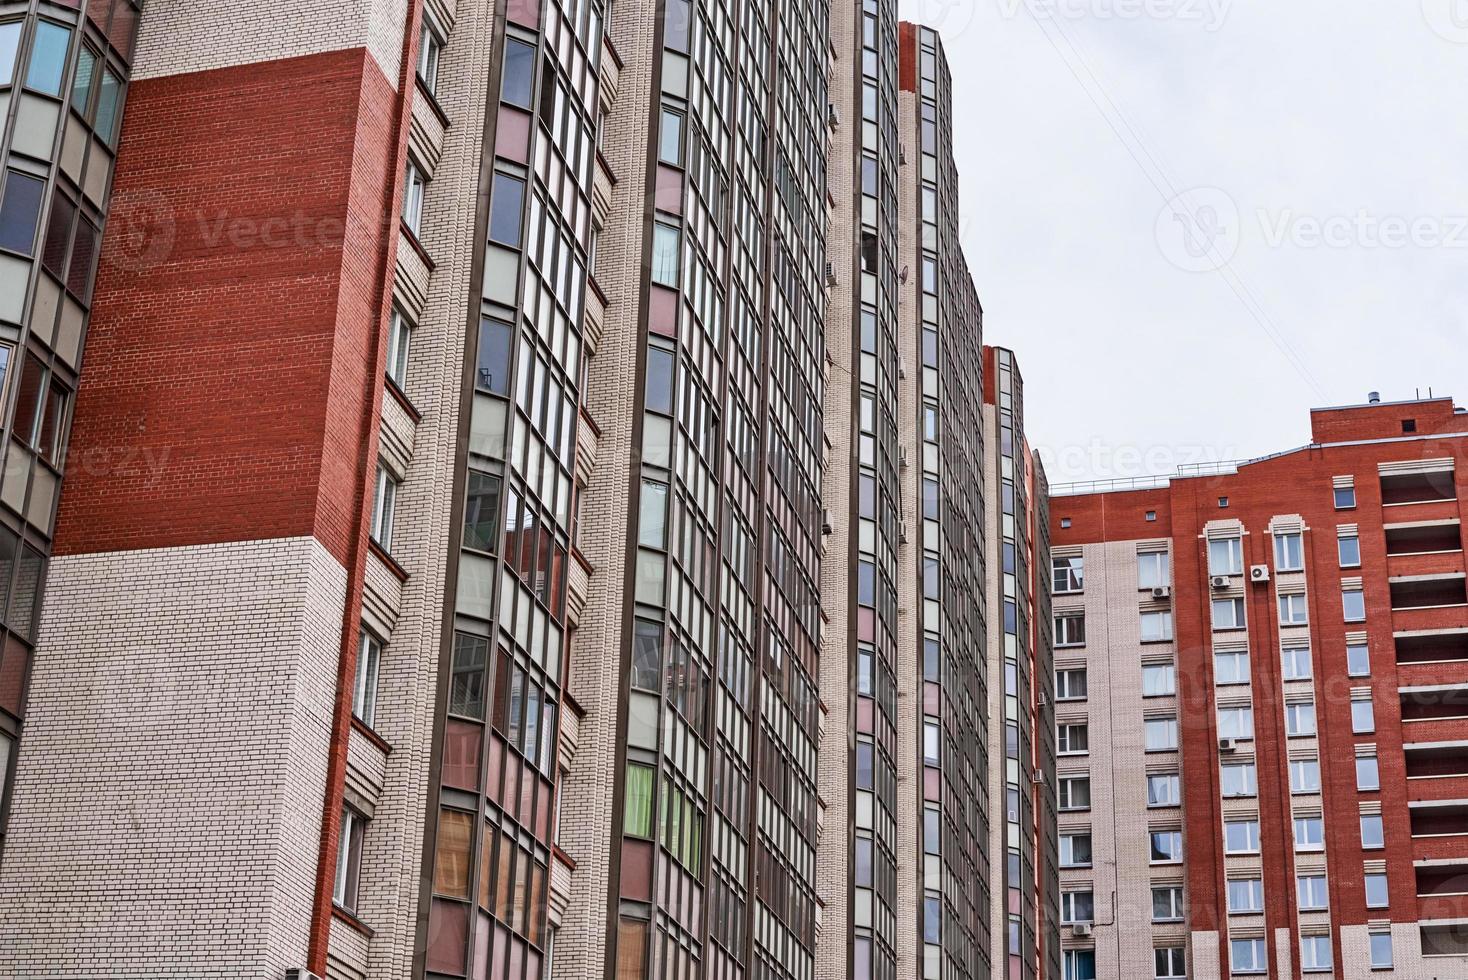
(20, 211)
(48, 58)
(507, 202)
(364, 689)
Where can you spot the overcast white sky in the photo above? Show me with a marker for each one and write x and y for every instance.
(1322, 152)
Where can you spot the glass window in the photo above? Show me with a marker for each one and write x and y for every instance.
(48, 57)
(1304, 775)
(1296, 660)
(1315, 953)
(1164, 789)
(1078, 906)
(467, 686)
(1167, 904)
(1167, 846)
(83, 250)
(1068, 574)
(1241, 836)
(452, 850)
(1070, 629)
(1373, 837)
(1075, 850)
(1248, 955)
(58, 234)
(1246, 895)
(109, 106)
(1377, 893)
(364, 689)
(666, 254)
(1226, 556)
(1353, 603)
(1070, 685)
(81, 83)
(399, 339)
(384, 502)
(1156, 626)
(1309, 834)
(670, 138)
(495, 340)
(1231, 667)
(647, 655)
(1345, 498)
(9, 44)
(1313, 892)
(1160, 734)
(414, 187)
(1368, 773)
(1300, 718)
(1080, 964)
(1381, 951)
(1289, 552)
(1158, 680)
(1350, 551)
(1153, 571)
(1228, 614)
(430, 48)
(1075, 793)
(1169, 962)
(1238, 779)
(519, 81)
(653, 515)
(1235, 722)
(659, 389)
(637, 801)
(1072, 739)
(507, 203)
(1363, 716)
(1293, 610)
(1358, 659)
(348, 859)
(20, 211)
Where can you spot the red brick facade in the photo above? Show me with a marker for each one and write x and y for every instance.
(1349, 442)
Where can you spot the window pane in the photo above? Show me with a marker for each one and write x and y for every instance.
(506, 203)
(665, 255)
(28, 402)
(481, 512)
(519, 73)
(58, 234)
(494, 356)
(79, 275)
(20, 210)
(81, 85)
(466, 691)
(451, 860)
(109, 104)
(48, 58)
(660, 380)
(9, 42)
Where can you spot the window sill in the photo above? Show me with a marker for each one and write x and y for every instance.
(412, 238)
(398, 571)
(370, 734)
(431, 99)
(337, 912)
(401, 397)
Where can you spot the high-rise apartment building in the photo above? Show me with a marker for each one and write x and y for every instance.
(525, 514)
(1260, 692)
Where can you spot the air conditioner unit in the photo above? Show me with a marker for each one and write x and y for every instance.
(902, 457)
(902, 533)
(1220, 581)
(825, 520)
(300, 973)
(1043, 700)
(1258, 573)
(1162, 592)
(830, 274)
(1226, 745)
(1081, 929)
(833, 115)
(1037, 777)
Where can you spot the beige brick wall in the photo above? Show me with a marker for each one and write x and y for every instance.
(178, 36)
(174, 762)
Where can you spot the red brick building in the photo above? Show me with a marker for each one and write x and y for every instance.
(1314, 604)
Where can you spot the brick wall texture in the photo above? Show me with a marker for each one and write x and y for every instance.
(167, 800)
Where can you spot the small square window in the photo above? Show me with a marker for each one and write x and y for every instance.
(1223, 501)
(1409, 425)
(1065, 522)
(1345, 498)
(1151, 515)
